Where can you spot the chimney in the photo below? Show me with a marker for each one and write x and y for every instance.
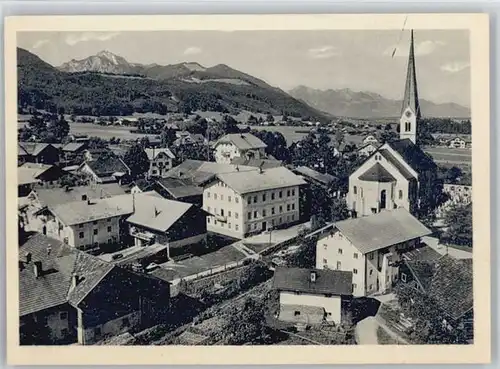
(68, 188)
(37, 269)
(313, 276)
(74, 280)
(237, 168)
(28, 257)
(49, 249)
(84, 197)
(260, 170)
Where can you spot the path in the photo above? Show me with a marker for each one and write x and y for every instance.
(366, 331)
(442, 249)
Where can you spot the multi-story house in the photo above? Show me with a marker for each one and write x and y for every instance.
(370, 247)
(251, 201)
(160, 161)
(67, 296)
(235, 145)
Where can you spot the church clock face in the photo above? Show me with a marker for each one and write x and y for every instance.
(408, 113)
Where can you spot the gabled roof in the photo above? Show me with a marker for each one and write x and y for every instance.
(258, 163)
(243, 141)
(180, 188)
(53, 287)
(157, 213)
(425, 253)
(413, 155)
(397, 163)
(377, 173)
(56, 196)
(27, 175)
(247, 181)
(73, 146)
(34, 148)
(334, 282)
(153, 153)
(449, 282)
(387, 228)
(323, 178)
(105, 166)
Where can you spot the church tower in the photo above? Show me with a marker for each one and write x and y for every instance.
(410, 111)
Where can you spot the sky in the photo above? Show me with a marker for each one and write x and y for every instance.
(324, 59)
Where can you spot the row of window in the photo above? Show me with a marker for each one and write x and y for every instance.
(355, 192)
(254, 226)
(229, 213)
(221, 197)
(222, 224)
(273, 211)
(96, 232)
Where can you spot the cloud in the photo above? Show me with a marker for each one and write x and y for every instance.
(421, 48)
(455, 67)
(323, 52)
(40, 43)
(192, 50)
(75, 38)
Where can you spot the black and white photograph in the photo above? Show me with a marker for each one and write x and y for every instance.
(246, 187)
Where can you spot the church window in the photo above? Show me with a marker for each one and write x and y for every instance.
(355, 190)
(400, 194)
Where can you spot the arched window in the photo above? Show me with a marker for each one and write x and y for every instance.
(400, 194)
(355, 190)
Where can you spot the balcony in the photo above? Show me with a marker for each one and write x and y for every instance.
(145, 236)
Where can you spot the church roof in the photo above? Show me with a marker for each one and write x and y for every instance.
(413, 155)
(394, 161)
(377, 173)
(411, 94)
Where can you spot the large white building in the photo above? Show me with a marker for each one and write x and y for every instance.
(244, 145)
(369, 247)
(251, 200)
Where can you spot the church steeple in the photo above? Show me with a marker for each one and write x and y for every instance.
(410, 111)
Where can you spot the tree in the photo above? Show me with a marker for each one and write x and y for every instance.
(248, 324)
(339, 210)
(305, 256)
(427, 317)
(458, 223)
(74, 179)
(168, 137)
(137, 160)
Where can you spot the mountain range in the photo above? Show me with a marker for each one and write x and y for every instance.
(108, 84)
(361, 104)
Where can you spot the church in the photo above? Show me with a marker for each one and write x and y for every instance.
(399, 173)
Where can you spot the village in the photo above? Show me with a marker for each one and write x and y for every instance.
(220, 232)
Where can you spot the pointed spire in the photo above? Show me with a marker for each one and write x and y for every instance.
(411, 93)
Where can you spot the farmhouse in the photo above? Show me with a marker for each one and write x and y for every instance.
(369, 247)
(106, 169)
(37, 152)
(67, 296)
(243, 145)
(311, 296)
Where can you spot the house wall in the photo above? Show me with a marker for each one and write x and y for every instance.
(159, 166)
(82, 235)
(332, 305)
(243, 215)
(125, 323)
(225, 152)
(334, 248)
(58, 322)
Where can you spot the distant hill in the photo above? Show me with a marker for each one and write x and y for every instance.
(107, 84)
(349, 103)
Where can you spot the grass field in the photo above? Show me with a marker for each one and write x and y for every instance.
(450, 155)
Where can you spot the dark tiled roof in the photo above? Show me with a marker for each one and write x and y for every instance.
(327, 281)
(323, 178)
(389, 227)
(394, 161)
(448, 281)
(413, 155)
(377, 173)
(73, 146)
(52, 288)
(34, 148)
(425, 253)
(108, 165)
(243, 141)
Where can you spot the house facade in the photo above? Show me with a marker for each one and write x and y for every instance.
(37, 152)
(370, 248)
(252, 201)
(244, 145)
(160, 161)
(312, 296)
